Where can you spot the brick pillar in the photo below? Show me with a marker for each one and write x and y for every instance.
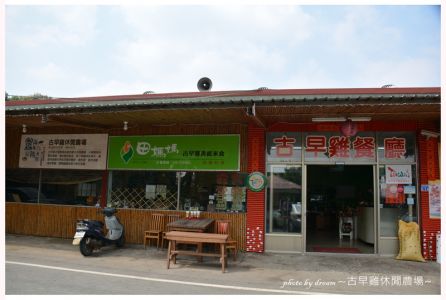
(429, 169)
(255, 217)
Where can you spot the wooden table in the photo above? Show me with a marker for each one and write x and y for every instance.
(198, 238)
(191, 225)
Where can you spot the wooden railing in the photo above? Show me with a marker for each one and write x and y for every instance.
(60, 220)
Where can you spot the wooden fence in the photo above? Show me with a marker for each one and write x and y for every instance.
(60, 220)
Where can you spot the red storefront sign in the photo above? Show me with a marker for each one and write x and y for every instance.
(316, 144)
(284, 146)
(364, 147)
(394, 148)
(341, 146)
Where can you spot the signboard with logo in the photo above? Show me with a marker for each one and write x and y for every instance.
(256, 181)
(64, 151)
(175, 152)
(398, 174)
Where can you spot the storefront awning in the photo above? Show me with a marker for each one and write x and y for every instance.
(264, 106)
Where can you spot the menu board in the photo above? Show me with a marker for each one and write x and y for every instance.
(64, 151)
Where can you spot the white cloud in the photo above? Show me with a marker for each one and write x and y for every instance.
(412, 72)
(267, 24)
(113, 87)
(312, 74)
(362, 33)
(167, 66)
(48, 72)
(234, 46)
(168, 48)
(65, 26)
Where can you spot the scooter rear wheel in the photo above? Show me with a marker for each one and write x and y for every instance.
(121, 240)
(85, 246)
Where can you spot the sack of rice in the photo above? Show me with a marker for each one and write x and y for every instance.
(409, 238)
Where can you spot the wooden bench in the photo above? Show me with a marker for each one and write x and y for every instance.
(197, 238)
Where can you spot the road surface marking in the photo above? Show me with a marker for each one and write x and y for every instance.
(202, 284)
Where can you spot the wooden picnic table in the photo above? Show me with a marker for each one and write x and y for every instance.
(191, 225)
(198, 238)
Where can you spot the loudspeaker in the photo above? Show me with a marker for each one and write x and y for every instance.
(204, 84)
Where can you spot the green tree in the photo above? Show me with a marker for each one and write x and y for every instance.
(35, 96)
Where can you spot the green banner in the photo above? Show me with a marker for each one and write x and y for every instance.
(175, 152)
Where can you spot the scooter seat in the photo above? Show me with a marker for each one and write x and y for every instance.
(109, 211)
(97, 223)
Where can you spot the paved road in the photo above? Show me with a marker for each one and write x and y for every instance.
(53, 266)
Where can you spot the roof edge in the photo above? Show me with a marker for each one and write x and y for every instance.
(240, 93)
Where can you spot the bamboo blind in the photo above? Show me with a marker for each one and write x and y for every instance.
(60, 221)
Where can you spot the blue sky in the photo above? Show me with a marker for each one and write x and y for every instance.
(71, 51)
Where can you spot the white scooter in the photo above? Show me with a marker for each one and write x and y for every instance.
(90, 233)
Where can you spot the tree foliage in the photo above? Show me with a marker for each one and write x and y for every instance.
(35, 96)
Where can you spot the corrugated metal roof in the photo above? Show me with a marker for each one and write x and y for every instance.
(223, 98)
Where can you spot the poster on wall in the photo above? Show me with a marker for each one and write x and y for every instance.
(150, 191)
(230, 198)
(175, 152)
(434, 199)
(394, 194)
(221, 199)
(398, 174)
(239, 197)
(64, 151)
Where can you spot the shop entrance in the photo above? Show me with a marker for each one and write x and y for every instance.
(340, 209)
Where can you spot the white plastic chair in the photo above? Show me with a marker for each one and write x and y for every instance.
(346, 223)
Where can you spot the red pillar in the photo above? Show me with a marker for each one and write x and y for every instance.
(104, 188)
(429, 170)
(255, 217)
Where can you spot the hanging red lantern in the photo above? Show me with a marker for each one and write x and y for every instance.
(349, 128)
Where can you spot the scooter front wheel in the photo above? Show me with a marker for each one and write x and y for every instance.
(86, 247)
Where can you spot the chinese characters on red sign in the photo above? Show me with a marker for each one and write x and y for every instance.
(284, 146)
(394, 148)
(340, 146)
(316, 144)
(363, 147)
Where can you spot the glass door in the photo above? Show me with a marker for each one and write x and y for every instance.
(340, 208)
(284, 208)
